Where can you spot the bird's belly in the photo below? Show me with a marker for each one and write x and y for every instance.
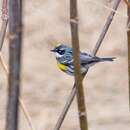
(62, 66)
(70, 69)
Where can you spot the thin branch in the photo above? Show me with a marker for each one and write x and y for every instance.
(128, 38)
(28, 117)
(4, 18)
(77, 74)
(101, 37)
(106, 26)
(15, 45)
(127, 3)
(65, 109)
(107, 7)
(2, 33)
(2, 36)
(3, 64)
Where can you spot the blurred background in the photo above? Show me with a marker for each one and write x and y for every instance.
(45, 88)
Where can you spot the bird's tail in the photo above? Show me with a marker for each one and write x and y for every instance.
(108, 59)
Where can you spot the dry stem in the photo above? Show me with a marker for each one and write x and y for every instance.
(2, 37)
(4, 22)
(14, 77)
(128, 38)
(78, 79)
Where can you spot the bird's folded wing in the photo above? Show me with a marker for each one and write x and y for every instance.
(87, 58)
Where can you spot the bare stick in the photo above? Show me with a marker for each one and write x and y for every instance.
(77, 74)
(128, 37)
(26, 114)
(127, 3)
(2, 32)
(4, 22)
(101, 37)
(106, 26)
(65, 110)
(107, 7)
(3, 64)
(15, 45)
(2, 36)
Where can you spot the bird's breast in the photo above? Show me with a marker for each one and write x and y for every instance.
(62, 66)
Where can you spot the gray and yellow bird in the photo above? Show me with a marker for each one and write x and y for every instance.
(64, 57)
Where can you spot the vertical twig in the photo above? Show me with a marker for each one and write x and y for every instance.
(15, 42)
(97, 46)
(78, 79)
(128, 38)
(4, 18)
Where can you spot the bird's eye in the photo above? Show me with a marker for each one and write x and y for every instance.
(61, 52)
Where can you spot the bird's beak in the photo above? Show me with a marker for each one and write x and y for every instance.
(53, 50)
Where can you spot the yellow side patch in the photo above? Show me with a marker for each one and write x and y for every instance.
(62, 66)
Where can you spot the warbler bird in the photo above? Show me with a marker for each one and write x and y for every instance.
(64, 57)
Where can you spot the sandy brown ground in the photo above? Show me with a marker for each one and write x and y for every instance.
(45, 88)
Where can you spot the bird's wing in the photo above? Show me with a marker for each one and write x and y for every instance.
(87, 58)
(67, 59)
(84, 59)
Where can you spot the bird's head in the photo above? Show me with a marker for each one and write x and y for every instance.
(61, 50)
